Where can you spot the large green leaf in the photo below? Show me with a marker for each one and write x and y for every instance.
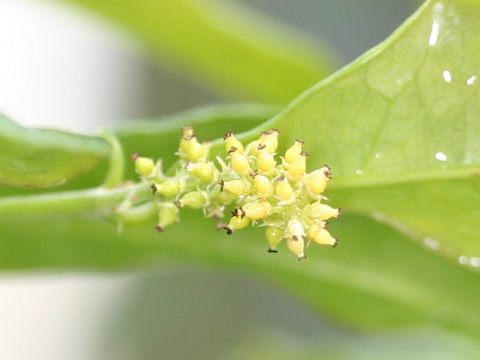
(223, 44)
(40, 158)
(367, 283)
(401, 129)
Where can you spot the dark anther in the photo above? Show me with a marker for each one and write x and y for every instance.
(336, 243)
(227, 135)
(222, 184)
(232, 149)
(304, 153)
(261, 146)
(160, 228)
(272, 251)
(154, 188)
(135, 156)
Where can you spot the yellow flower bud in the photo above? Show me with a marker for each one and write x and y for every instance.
(298, 167)
(270, 140)
(265, 161)
(284, 189)
(322, 211)
(187, 134)
(143, 166)
(252, 148)
(231, 141)
(262, 185)
(237, 222)
(257, 210)
(322, 236)
(237, 187)
(295, 229)
(193, 199)
(167, 215)
(293, 153)
(317, 180)
(169, 188)
(187, 131)
(239, 162)
(297, 246)
(274, 236)
(204, 171)
(194, 151)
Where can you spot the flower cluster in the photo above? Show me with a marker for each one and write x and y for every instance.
(258, 186)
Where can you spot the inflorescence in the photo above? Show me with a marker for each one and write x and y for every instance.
(258, 186)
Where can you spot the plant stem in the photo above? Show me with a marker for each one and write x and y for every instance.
(96, 201)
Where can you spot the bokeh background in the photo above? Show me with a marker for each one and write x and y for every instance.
(63, 67)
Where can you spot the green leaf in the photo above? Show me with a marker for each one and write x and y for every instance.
(366, 283)
(41, 158)
(400, 129)
(158, 137)
(223, 44)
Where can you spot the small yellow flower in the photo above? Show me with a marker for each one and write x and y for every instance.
(318, 179)
(257, 210)
(297, 246)
(193, 199)
(169, 188)
(270, 140)
(167, 215)
(322, 236)
(143, 166)
(237, 222)
(298, 167)
(262, 185)
(239, 187)
(205, 171)
(293, 153)
(265, 160)
(322, 211)
(284, 189)
(232, 142)
(239, 162)
(274, 236)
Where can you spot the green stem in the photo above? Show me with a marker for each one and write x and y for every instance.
(116, 168)
(97, 201)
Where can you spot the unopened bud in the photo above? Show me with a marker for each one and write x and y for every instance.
(144, 166)
(265, 161)
(252, 148)
(237, 187)
(167, 215)
(239, 162)
(270, 140)
(169, 188)
(232, 142)
(295, 229)
(292, 154)
(318, 179)
(322, 211)
(284, 189)
(193, 199)
(297, 168)
(297, 247)
(262, 185)
(257, 210)
(274, 236)
(237, 222)
(205, 171)
(322, 236)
